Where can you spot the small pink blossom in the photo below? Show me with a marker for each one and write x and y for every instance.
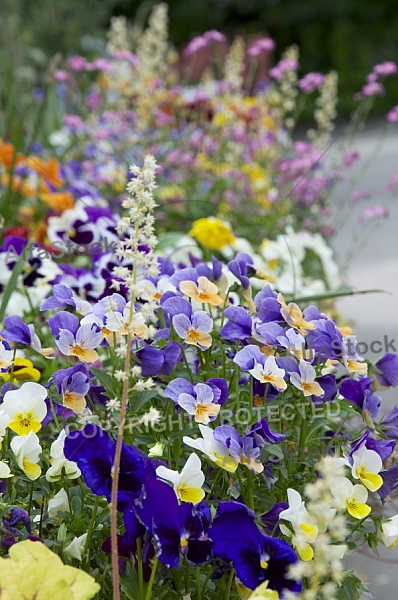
(282, 67)
(372, 89)
(259, 46)
(126, 55)
(93, 101)
(371, 77)
(60, 75)
(310, 82)
(350, 158)
(393, 182)
(78, 63)
(359, 195)
(214, 36)
(197, 43)
(74, 122)
(373, 212)
(385, 68)
(101, 64)
(392, 115)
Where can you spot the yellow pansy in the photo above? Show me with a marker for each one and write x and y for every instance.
(212, 233)
(23, 371)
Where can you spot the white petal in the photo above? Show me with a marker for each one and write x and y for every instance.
(167, 474)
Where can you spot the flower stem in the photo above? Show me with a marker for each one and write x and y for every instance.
(229, 583)
(91, 529)
(116, 467)
(198, 587)
(140, 570)
(152, 579)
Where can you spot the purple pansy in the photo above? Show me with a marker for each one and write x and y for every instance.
(262, 434)
(62, 296)
(361, 394)
(388, 365)
(73, 340)
(12, 518)
(239, 325)
(326, 340)
(384, 448)
(155, 361)
(93, 450)
(16, 331)
(270, 519)
(242, 266)
(243, 449)
(73, 384)
(267, 305)
(255, 557)
(176, 528)
(391, 421)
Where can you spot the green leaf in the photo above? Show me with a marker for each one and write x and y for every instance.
(76, 505)
(142, 398)
(351, 588)
(106, 380)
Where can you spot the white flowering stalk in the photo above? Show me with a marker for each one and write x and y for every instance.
(324, 571)
(234, 65)
(153, 44)
(325, 112)
(285, 98)
(118, 35)
(151, 52)
(135, 229)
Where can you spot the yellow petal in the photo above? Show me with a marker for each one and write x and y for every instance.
(189, 288)
(32, 470)
(372, 481)
(358, 511)
(198, 337)
(204, 411)
(193, 495)
(75, 402)
(313, 389)
(87, 355)
(310, 530)
(305, 552)
(25, 427)
(228, 463)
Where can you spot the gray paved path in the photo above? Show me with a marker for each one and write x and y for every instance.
(375, 315)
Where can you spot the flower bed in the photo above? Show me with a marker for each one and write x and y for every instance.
(177, 419)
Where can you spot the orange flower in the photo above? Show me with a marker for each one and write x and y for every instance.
(48, 170)
(59, 201)
(7, 152)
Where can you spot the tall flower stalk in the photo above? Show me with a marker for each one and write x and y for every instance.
(135, 229)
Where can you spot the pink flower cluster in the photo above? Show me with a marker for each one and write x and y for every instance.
(79, 64)
(204, 41)
(310, 82)
(392, 115)
(372, 86)
(263, 45)
(282, 67)
(359, 195)
(373, 212)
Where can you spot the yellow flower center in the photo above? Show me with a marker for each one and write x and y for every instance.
(24, 419)
(193, 334)
(78, 350)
